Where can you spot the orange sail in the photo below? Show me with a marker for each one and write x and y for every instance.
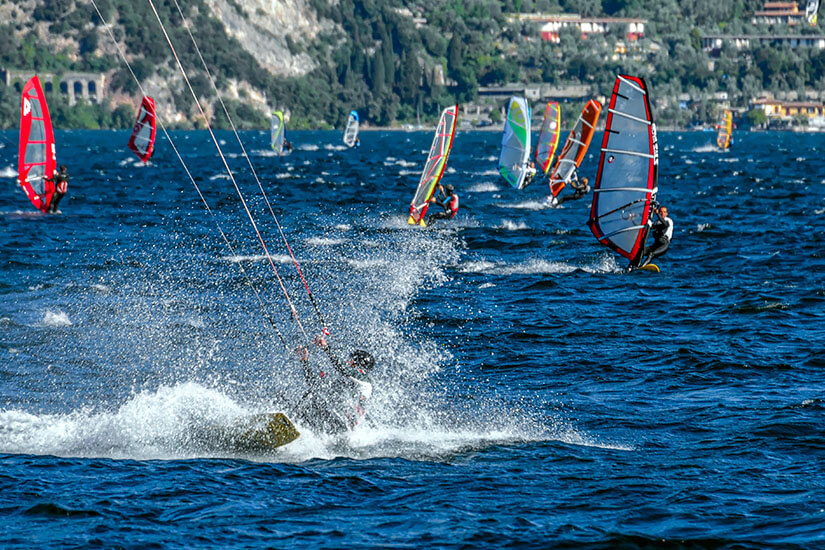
(725, 130)
(575, 148)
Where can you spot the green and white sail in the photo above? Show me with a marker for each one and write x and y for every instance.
(515, 143)
(277, 132)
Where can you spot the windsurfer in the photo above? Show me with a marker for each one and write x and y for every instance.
(662, 233)
(530, 173)
(61, 185)
(287, 147)
(580, 189)
(449, 203)
(357, 142)
(335, 404)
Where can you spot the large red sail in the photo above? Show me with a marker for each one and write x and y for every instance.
(37, 157)
(142, 141)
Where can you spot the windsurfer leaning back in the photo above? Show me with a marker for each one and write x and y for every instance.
(61, 185)
(580, 189)
(449, 203)
(662, 233)
(335, 402)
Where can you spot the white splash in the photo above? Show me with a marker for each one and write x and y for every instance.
(324, 241)
(509, 225)
(55, 319)
(527, 205)
(278, 258)
(483, 188)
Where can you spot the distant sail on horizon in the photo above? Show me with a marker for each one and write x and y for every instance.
(723, 136)
(142, 141)
(351, 131)
(277, 132)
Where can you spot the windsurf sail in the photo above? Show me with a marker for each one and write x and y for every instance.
(572, 154)
(549, 136)
(434, 168)
(351, 132)
(812, 12)
(142, 141)
(37, 156)
(725, 130)
(277, 132)
(626, 183)
(515, 143)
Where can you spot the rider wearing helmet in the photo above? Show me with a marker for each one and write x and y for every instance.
(335, 403)
(449, 203)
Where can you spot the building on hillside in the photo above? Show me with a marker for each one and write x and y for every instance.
(779, 13)
(713, 43)
(787, 110)
(535, 92)
(551, 25)
(89, 87)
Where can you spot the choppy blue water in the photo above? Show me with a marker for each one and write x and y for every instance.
(529, 392)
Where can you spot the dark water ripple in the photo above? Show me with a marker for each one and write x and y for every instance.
(529, 393)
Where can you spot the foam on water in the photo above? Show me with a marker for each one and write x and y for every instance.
(527, 205)
(510, 225)
(278, 258)
(606, 264)
(8, 172)
(55, 319)
(178, 422)
(484, 187)
(324, 241)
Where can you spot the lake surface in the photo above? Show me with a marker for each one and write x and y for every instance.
(529, 392)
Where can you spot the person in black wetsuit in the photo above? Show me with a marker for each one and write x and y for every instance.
(662, 233)
(449, 203)
(61, 186)
(335, 402)
(287, 147)
(580, 189)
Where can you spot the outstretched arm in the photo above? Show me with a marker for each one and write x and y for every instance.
(336, 361)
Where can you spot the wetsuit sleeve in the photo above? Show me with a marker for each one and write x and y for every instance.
(311, 377)
(339, 365)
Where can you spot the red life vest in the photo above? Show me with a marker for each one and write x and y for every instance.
(453, 205)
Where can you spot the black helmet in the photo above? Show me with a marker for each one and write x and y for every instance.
(362, 360)
(449, 188)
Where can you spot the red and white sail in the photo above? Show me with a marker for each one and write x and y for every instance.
(37, 157)
(142, 141)
(627, 181)
(434, 168)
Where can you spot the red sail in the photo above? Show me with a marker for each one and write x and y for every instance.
(37, 160)
(142, 141)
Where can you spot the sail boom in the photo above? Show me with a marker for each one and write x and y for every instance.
(631, 117)
(632, 85)
(623, 152)
(635, 189)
